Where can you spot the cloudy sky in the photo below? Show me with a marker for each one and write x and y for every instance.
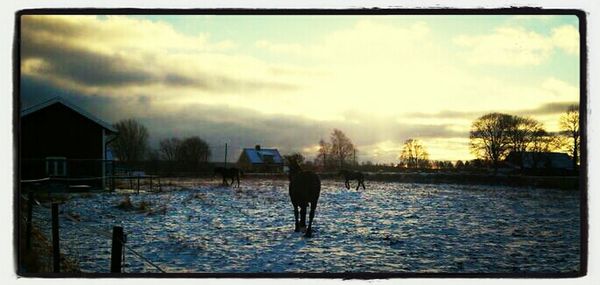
(287, 81)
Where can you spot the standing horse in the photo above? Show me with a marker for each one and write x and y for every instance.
(228, 173)
(305, 187)
(353, 175)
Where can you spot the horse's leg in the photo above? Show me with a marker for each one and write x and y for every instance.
(303, 216)
(358, 184)
(347, 183)
(313, 207)
(362, 181)
(238, 180)
(297, 226)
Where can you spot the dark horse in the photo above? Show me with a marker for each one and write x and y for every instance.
(305, 187)
(353, 175)
(228, 173)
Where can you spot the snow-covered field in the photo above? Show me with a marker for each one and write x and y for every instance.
(389, 227)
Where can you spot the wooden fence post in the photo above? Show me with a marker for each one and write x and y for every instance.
(55, 239)
(117, 250)
(112, 176)
(29, 222)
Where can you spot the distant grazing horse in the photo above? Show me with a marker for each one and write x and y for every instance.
(353, 175)
(305, 187)
(228, 173)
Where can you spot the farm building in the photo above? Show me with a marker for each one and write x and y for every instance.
(59, 139)
(259, 159)
(540, 160)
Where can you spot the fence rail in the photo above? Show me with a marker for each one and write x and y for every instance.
(118, 238)
(77, 183)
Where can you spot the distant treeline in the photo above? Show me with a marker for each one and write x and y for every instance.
(491, 138)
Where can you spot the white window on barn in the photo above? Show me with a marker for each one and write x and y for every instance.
(56, 166)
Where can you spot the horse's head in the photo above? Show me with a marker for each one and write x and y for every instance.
(294, 167)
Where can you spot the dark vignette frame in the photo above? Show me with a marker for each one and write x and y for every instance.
(583, 174)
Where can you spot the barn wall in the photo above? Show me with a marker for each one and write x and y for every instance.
(59, 131)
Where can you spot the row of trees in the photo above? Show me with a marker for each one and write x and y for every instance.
(340, 152)
(427, 164)
(190, 151)
(131, 145)
(493, 136)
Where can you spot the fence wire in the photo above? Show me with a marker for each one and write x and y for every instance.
(78, 248)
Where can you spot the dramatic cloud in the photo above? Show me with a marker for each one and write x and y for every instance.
(550, 108)
(378, 79)
(90, 54)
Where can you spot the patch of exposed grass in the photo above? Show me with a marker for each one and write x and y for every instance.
(144, 206)
(125, 204)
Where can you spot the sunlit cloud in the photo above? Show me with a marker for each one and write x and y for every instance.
(567, 38)
(517, 46)
(379, 81)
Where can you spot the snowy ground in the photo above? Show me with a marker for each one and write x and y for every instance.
(389, 227)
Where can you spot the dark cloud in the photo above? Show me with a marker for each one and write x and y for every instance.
(48, 39)
(83, 66)
(34, 91)
(548, 109)
(430, 131)
(545, 109)
(246, 128)
(223, 83)
(49, 25)
(236, 126)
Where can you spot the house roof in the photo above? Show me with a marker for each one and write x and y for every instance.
(256, 156)
(548, 159)
(60, 100)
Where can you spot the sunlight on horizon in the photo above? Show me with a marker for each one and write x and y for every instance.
(286, 81)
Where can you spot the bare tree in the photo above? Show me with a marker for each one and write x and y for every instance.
(569, 126)
(323, 157)
(131, 143)
(168, 148)
(337, 152)
(342, 148)
(522, 133)
(489, 137)
(192, 151)
(414, 154)
(542, 142)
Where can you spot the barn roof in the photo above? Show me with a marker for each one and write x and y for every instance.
(79, 110)
(256, 156)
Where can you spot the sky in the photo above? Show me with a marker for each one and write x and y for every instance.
(287, 81)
